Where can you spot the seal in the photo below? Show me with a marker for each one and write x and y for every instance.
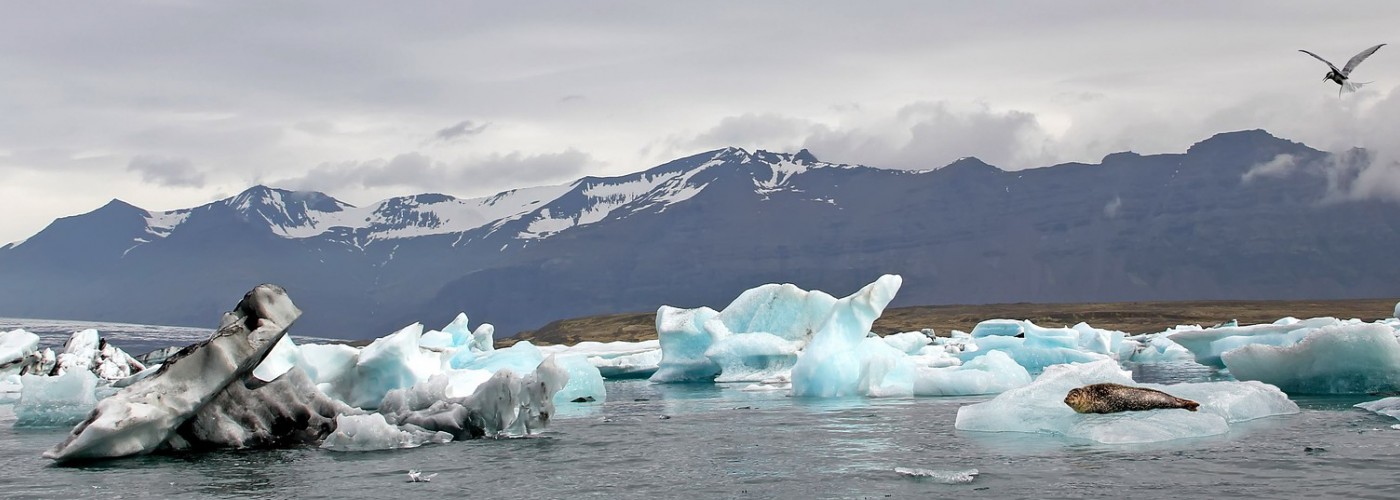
(1113, 398)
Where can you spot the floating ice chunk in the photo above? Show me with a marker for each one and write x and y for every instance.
(684, 341)
(1389, 407)
(1042, 337)
(1100, 341)
(522, 357)
(842, 361)
(372, 432)
(1340, 359)
(61, 400)
(1158, 348)
(391, 362)
(331, 367)
(938, 476)
(15, 347)
(449, 336)
(1208, 344)
(283, 357)
(1396, 313)
(142, 416)
(584, 380)
(86, 350)
(1034, 356)
(908, 342)
(785, 311)
(752, 357)
(435, 339)
(483, 338)
(998, 327)
(990, 374)
(639, 365)
(1040, 408)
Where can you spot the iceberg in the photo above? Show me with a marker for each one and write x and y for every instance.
(87, 350)
(753, 357)
(1208, 344)
(1040, 408)
(841, 360)
(1345, 358)
(990, 374)
(938, 476)
(390, 362)
(1034, 353)
(683, 341)
(16, 350)
(142, 416)
(583, 381)
(285, 412)
(998, 327)
(1389, 407)
(372, 432)
(61, 400)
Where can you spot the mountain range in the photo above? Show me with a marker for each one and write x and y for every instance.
(1214, 222)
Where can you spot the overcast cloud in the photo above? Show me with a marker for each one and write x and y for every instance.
(170, 104)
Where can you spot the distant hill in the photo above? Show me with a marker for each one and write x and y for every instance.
(698, 230)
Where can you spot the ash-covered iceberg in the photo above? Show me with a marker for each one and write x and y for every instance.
(87, 350)
(141, 417)
(1040, 408)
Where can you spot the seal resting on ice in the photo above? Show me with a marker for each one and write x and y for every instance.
(1113, 398)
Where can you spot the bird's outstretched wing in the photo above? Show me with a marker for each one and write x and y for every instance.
(1356, 59)
(1330, 65)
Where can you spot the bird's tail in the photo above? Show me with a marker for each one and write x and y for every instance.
(1350, 86)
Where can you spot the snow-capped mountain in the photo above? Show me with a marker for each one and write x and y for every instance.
(525, 214)
(697, 230)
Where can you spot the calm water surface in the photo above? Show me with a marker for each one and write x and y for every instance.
(708, 441)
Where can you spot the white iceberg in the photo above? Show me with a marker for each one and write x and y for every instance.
(993, 373)
(1208, 344)
(372, 432)
(1346, 358)
(61, 400)
(1040, 408)
(753, 357)
(16, 347)
(841, 360)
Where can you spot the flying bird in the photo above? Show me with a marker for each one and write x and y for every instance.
(1343, 76)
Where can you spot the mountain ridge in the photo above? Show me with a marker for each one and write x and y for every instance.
(699, 229)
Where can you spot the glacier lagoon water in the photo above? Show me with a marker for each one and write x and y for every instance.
(722, 442)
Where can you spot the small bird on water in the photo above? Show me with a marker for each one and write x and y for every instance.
(1343, 76)
(416, 476)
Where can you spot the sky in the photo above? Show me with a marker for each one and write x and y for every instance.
(172, 104)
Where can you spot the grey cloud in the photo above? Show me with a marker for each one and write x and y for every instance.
(932, 134)
(167, 171)
(768, 130)
(468, 177)
(1112, 208)
(464, 128)
(1279, 166)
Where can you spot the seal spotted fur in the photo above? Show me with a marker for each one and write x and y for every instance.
(1113, 398)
